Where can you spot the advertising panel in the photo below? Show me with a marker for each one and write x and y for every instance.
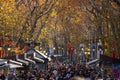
(116, 71)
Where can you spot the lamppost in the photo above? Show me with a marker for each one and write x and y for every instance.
(93, 53)
(62, 51)
(8, 51)
(82, 55)
(54, 49)
(87, 54)
(93, 50)
(99, 49)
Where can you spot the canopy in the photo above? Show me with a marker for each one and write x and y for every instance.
(49, 59)
(9, 64)
(93, 61)
(110, 60)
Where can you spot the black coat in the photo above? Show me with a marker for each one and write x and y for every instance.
(2, 77)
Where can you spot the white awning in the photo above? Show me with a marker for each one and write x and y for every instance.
(44, 55)
(2, 60)
(41, 60)
(14, 66)
(9, 65)
(25, 56)
(20, 60)
(15, 62)
(57, 55)
(93, 61)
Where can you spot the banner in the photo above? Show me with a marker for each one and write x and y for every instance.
(0, 42)
(7, 42)
(1, 52)
(18, 49)
(70, 48)
(116, 71)
(114, 55)
(25, 48)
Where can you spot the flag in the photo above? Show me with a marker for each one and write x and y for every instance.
(25, 48)
(7, 42)
(18, 49)
(114, 55)
(70, 48)
(1, 51)
(0, 42)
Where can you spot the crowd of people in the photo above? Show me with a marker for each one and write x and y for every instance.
(58, 71)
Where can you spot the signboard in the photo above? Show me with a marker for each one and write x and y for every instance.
(116, 71)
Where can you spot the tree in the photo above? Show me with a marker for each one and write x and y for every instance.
(105, 15)
(68, 20)
(34, 11)
(22, 17)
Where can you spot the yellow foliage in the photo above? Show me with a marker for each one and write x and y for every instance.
(114, 5)
(77, 20)
(9, 16)
(106, 43)
(41, 2)
(57, 3)
(54, 13)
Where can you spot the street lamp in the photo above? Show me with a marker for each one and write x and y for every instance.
(93, 49)
(8, 49)
(86, 57)
(82, 49)
(82, 56)
(99, 50)
(87, 53)
(54, 48)
(44, 51)
(62, 51)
